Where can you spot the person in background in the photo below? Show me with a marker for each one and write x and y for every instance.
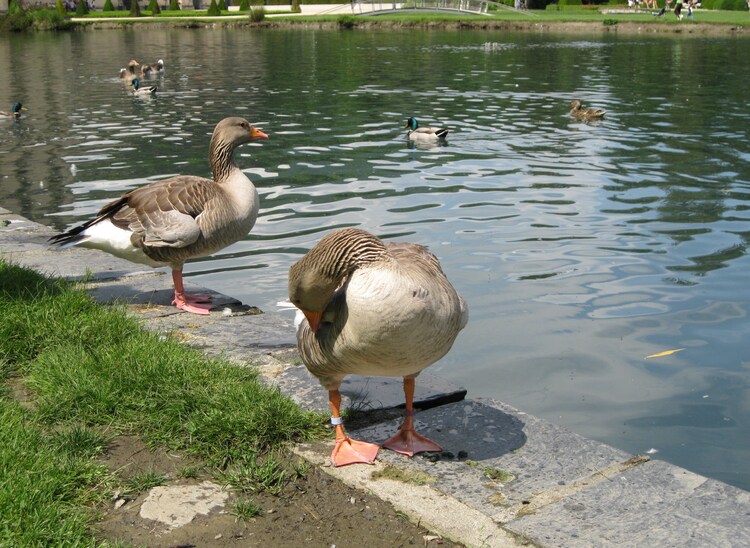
(678, 9)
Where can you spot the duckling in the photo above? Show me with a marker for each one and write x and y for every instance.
(139, 91)
(424, 134)
(585, 113)
(15, 112)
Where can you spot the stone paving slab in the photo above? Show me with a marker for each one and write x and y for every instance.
(655, 504)
(499, 458)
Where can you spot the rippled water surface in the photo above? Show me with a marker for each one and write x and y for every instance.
(581, 249)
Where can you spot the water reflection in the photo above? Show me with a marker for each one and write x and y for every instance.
(581, 248)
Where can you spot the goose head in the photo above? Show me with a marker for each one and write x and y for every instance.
(316, 277)
(229, 134)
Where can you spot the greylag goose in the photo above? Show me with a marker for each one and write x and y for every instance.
(143, 91)
(15, 112)
(129, 74)
(585, 113)
(425, 134)
(169, 221)
(372, 308)
(153, 69)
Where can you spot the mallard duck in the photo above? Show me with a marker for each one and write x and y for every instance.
(416, 133)
(585, 113)
(146, 91)
(15, 112)
(128, 74)
(371, 308)
(153, 69)
(169, 221)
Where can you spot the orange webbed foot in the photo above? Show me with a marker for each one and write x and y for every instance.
(349, 451)
(195, 304)
(408, 442)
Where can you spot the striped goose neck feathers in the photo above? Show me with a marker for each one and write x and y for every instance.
(342, 251)
(224, 140)
(314, 278)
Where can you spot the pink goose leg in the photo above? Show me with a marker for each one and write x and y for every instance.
(407, 441)
(195, 304)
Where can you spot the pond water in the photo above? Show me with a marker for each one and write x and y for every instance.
(581, 249)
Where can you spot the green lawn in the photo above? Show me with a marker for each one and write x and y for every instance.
(741, 18)
(88, 367)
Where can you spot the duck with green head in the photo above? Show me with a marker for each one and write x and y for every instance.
(424, 134)
(15, 112)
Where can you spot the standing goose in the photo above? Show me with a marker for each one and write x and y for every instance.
(167, 222)
(424, 134)
(373, 309)
(585, 113)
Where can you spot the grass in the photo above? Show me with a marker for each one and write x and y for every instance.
(245, 508)
(88, 366)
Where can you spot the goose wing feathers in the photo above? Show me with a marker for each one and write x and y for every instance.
(164, 214)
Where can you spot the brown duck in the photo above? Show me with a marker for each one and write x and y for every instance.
(585, 113)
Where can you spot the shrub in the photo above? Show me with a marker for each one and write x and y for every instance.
(135, 9)
(153, 7)
(174, 5)
(82, 8)
(222, 5)
(47, 19)
(14, 7)
(244, 5)
(108, 6)
(213, 9)
(346, 21)
(15, 23)
(257, 15)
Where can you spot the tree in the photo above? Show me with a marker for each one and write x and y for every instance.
(108, 6)
(60, 7)
(174, 5)
(153, 7)
(213, 9)
(135, 9)
(82, 8)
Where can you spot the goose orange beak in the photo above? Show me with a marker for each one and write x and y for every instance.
(256, 134)
(313, 319)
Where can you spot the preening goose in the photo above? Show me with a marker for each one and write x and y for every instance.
(169, 221)
(15, 112)
(585, 113)
(427, 134)
(378, 309)
(153, 69)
